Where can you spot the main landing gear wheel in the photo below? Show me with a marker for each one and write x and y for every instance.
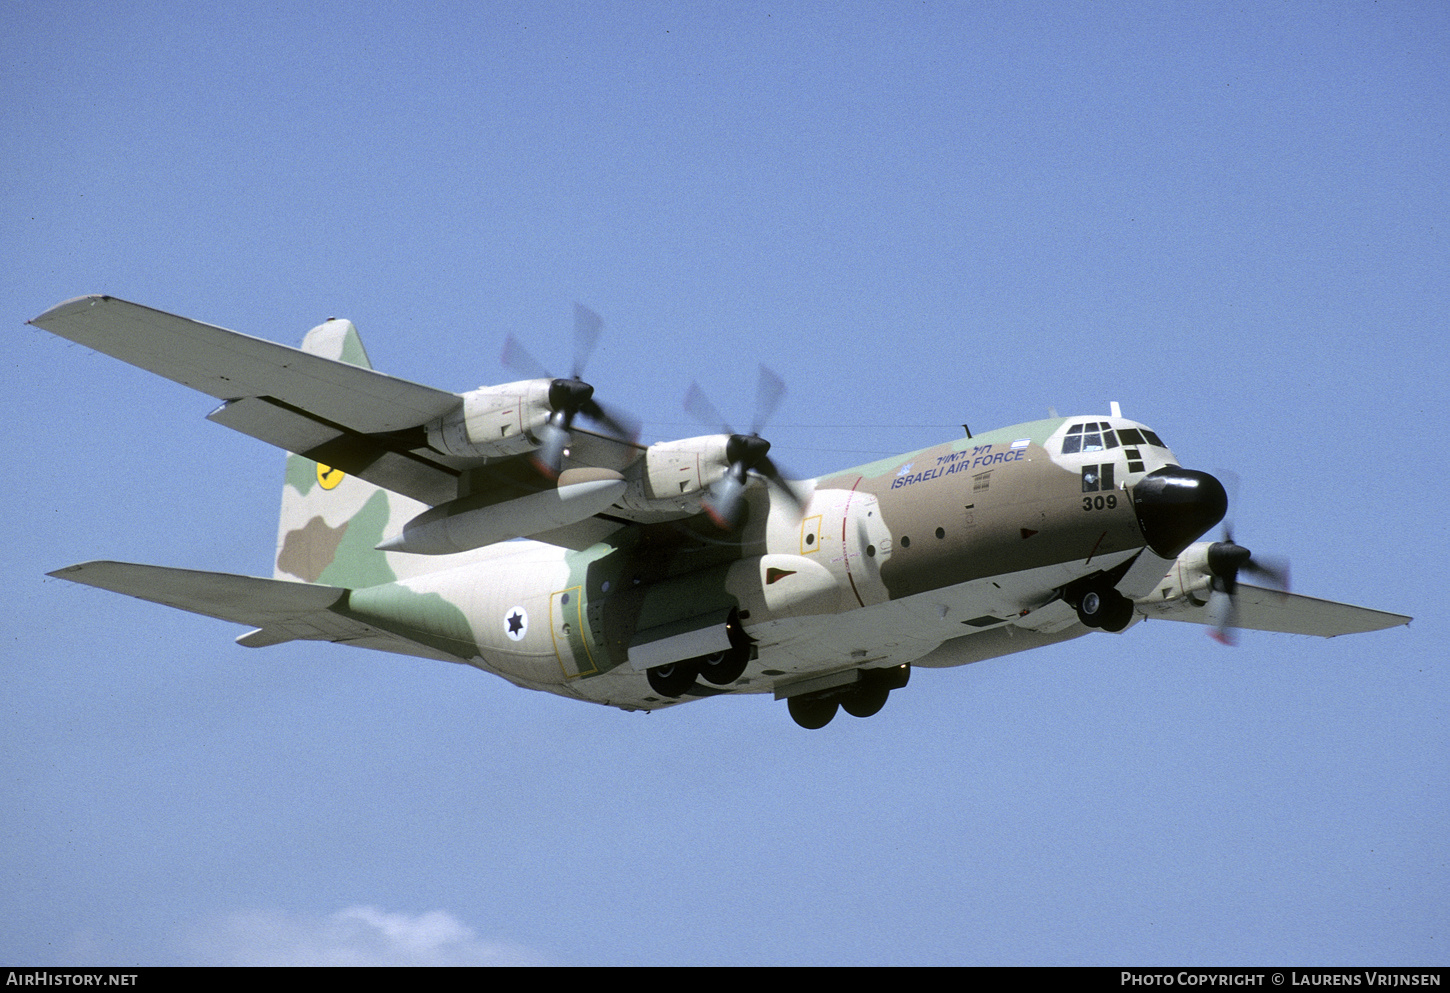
(868, 699)
(671, 680)
(811, 713)
(1107, 609)
(723, 668)
(864, 698)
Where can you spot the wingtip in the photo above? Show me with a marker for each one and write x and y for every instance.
(68, 307)
(93, 566)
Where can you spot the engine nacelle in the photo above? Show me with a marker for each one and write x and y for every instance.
(674, 475)
(1188, 577)
(494, 422)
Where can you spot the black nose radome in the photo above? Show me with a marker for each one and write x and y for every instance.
(1176, 506)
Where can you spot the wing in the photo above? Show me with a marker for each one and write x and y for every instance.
(278, 610)
(338, 413)
(229, 365)
(1270, 610)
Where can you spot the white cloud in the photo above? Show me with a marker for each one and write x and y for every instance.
(361, 936)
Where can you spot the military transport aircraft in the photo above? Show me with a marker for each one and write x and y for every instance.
(652, 575)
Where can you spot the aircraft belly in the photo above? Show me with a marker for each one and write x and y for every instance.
(925, 630)
(956, 625)
(993, 644)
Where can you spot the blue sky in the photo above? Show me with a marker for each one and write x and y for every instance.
(1233, 221)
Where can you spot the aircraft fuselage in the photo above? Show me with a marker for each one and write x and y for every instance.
(963, 539)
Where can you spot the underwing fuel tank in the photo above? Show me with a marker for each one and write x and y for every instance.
(470, 522)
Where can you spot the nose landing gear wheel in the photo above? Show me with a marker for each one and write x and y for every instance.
(1120, 615)
(1107, 609)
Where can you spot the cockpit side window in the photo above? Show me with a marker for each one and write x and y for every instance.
(1137, 436)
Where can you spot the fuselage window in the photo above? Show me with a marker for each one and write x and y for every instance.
(1153, 439)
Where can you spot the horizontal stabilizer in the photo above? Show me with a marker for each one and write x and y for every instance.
(279, 610)
(1259, 609)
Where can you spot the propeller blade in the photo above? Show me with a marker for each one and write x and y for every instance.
(1222, 614)
(519, 359)
(621, 425)
(768, 469)
(698, 406)
(587, 327)
(1273, 571)
(548, 458)
(724, 500)
(768, 392)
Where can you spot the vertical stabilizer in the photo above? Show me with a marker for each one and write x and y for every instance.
(331, 521)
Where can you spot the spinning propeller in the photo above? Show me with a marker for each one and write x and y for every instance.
(1226, 560)
(568, 397)
(745, 453)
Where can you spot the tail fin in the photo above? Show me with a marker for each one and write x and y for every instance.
(331, 521)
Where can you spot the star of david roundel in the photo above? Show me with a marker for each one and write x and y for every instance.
(516, 623)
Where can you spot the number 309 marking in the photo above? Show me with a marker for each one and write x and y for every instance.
(1099, 502)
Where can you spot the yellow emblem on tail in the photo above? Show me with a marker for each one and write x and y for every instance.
(328, 477)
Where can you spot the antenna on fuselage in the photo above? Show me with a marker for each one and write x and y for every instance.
(969, 432)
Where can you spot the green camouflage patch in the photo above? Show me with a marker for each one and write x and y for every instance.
(358, 563)
(426, 618)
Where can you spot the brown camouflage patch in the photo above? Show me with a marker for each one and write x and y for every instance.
(307, 551)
